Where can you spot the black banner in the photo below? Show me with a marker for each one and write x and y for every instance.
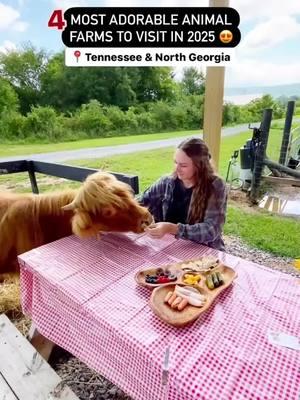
(151, 27)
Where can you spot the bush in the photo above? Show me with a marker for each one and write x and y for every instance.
(179, 117)
(41, 123)
(91, 119)
(146, 122)
(8, 97)
(194, 110)
(12, 126)
(162, 115)
(95, 120)
(131, 122)
(117, 118)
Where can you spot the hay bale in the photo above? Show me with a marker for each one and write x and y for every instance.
(23, 324)
(10, 303)
(10, 298)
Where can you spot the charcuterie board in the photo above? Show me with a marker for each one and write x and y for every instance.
(178, 270)
(189, 293)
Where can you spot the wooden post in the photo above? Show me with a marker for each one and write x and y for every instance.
(213, 104)
(286, 133)
(260, 155)
(43, 345)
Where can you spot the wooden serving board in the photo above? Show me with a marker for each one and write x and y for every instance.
(189, 313)
(176, 268)
(140, 276)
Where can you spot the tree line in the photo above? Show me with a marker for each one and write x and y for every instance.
(43, 100)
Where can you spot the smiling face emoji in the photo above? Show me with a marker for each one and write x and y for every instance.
(226, 36)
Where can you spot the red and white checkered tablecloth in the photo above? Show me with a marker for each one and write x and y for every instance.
(81, 294)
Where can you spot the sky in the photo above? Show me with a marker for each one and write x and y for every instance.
(268, 54)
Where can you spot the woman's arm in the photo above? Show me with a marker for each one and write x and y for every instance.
(151, 194)
(160, 229)
(214, 218)
(154, 194)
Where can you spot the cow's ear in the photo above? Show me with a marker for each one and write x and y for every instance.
(108, 212)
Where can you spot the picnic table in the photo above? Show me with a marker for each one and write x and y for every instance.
(81, 294)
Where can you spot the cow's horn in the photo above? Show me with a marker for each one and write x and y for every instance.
(69, 207)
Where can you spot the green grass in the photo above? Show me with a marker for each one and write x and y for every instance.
(149, 165)
(265, 231)
(279, 235)
(16, 149)
(19, 149)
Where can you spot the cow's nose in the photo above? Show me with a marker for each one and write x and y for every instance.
(147, 221)
(150, 220)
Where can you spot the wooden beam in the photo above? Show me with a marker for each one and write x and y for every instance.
(25, 372)
(213, 104)
(281, 181)
(5, 390)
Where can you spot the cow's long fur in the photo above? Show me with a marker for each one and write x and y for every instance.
(101, 204)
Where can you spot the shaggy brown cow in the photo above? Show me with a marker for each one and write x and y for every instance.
(101, 204)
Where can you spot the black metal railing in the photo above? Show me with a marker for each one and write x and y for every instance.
(59, 170)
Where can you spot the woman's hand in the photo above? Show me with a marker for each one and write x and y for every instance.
(160, 229)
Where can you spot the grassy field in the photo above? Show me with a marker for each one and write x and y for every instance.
(23, 148)
(279, 235)
(264, 230)
(163, 157)
(150, 165)
(16, 149)
(142, 163)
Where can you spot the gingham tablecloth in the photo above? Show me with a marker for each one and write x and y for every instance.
(81, 294)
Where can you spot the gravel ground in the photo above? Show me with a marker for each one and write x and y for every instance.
(87, 384)
(84, 382)
(237, 248)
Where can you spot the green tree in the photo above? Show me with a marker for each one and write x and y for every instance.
(124, 94)
(256, 107)
(61, 87)
(8, 97)
(23, 68)
(152, 83)
(68, 88)
(193, 81)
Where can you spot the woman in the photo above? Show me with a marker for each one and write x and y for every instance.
(190, 204)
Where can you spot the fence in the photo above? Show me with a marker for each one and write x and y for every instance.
(59, 170)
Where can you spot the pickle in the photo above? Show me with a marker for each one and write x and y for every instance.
(220, 278)
(215, 280)
(209, 282)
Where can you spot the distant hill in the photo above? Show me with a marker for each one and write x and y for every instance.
(292, 89)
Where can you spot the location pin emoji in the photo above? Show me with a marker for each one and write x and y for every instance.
(77, 54)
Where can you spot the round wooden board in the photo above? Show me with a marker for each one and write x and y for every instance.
(189, 313)
(140, 276)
